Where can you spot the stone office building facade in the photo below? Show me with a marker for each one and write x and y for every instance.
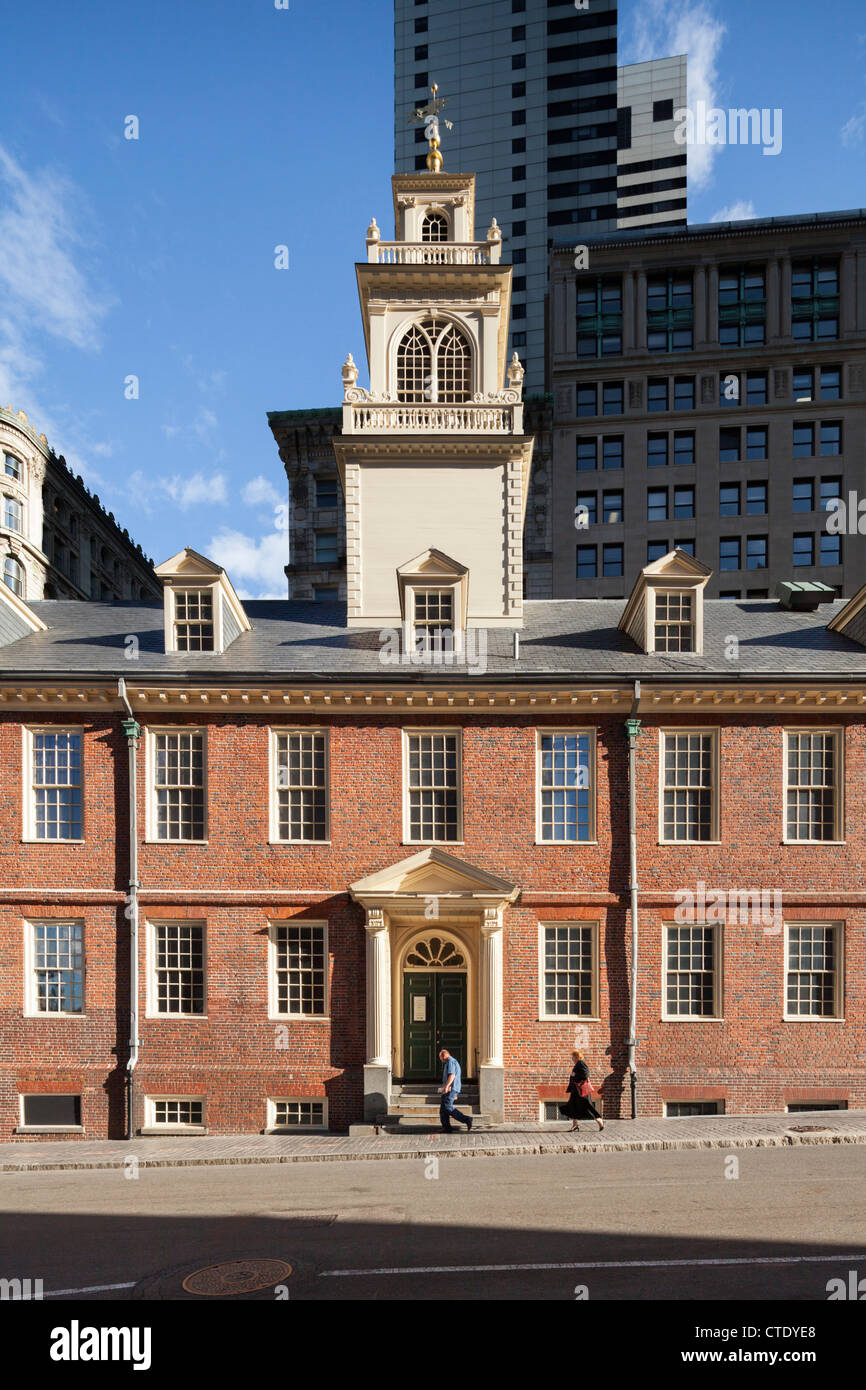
(710, 393)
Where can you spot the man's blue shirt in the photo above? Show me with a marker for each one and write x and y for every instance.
(452, 1068)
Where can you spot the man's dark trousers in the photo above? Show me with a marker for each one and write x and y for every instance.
(447, 1113)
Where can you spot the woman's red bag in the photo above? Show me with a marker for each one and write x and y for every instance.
(586, 1089)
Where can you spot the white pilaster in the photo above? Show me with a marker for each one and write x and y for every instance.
(491, 1072)
(377, 1067)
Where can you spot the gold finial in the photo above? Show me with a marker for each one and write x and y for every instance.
(429, 114)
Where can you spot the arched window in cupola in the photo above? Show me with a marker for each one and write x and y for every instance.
(434, 364)
(434, 227)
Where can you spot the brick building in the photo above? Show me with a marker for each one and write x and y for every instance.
(260, 860)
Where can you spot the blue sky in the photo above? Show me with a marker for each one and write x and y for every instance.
(260, 128)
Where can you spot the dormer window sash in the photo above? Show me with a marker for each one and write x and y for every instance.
(433, 620)
(194, 620)
(674, 620)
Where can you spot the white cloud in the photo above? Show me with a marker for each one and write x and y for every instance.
(737, 212)
(662, 30)
(260, 491)
(197, 490)
(854, 130)
(257, 565)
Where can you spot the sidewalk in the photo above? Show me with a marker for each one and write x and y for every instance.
(620, 1136)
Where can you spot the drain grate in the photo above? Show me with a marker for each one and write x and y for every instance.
(236, 1277)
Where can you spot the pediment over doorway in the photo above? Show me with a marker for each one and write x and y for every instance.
(433, 872)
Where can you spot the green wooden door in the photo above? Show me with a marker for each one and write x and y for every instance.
(434, 1016)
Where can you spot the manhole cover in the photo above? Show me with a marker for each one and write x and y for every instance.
(236, 1276)
(809, 1129)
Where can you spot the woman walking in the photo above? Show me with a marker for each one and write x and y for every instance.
(580, 1093)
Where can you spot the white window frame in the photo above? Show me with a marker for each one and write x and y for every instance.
(152, 1009)
(216, 593)
(595, 929)
(24, 1127)
(31, 993)
(838, 1014)
(150, 1120)
(715, 816)
(29, 791)
(22, 511)
(14, 477)
(838, 736)
(695, 596)
(439, 585)
(718, 1013)
(151, 735)
(408, 733)
(575, 732)
(274, 732)
(271, 1126)
(273, 992)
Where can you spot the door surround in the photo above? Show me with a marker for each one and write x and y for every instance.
(404, 936)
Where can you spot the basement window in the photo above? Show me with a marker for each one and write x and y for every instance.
(296, 1113)
(51, 1112)
(174, 1112)
(686, 1109)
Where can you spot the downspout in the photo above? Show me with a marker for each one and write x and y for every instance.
(132, 732)
(632, 728)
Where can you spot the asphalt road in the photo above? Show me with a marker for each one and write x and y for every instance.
(607, 1227)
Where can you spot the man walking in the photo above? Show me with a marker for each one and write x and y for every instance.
(450, 1090)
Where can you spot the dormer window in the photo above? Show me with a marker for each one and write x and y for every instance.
(193, 620)
(202, 612)
(674, 622)
(13, 467)
(434, 364)
(433, 626)
(665, 610)
(434, 227)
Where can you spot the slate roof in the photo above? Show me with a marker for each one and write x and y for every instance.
(574, 639)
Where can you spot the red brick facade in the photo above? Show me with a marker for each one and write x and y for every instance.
(236, 1056)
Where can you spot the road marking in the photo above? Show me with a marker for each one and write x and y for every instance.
(91, 1288)
(597, 1264)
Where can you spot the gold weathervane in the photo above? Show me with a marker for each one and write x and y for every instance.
(429, 115)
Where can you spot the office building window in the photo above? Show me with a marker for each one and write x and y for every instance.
(831, 384)
(587, 455)
(831, 491)
(729, 445)
(326, 547)
(656, 550)
(729, 553)
(756, 552)
(657, 393)
(587, 562)
(599, 318)
(684, 502)
(729, 499)
(830, 549)
(803, 495)
(327, 493)
(612, 561)
(670, 313)
(612, 398)
(742, 307)
(656, 450)
(815, 300)
(612, 451)
(804, 441)
(756, 442)
(684, 393)
(612, 511)
(657, 504)
(586, 504)
(756, 388)
(831, 439)
(684, 446)
(803, 549)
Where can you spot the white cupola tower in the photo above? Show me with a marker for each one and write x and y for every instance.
(433, 459)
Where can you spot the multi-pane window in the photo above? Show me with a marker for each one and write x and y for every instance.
(690, 971)
(812, 786)
(567, 972)
(684, 446)
(565, 786)
(13, 514)
(434, 227)
(327, 495)
(674, 622)
(301, 777)
(297, 1114)
(300, 968)
(434, 363)
(587, 562)
(812, 974)
(13, 575)
(56, 812)
(815, 300)
(433, 612)
(177, 1111)
(178, 786)
(433, 787)
(12, 467)
(803, 552)
(669, 312)
(656, 450)
(742, 307)
(599, 318)
(193, 620)
(58, 967)
(178, 967)
(612, 561)
(688, 786)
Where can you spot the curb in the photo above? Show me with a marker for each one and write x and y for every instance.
(550, 1149)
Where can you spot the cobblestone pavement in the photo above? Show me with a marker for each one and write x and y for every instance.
(702, 1132)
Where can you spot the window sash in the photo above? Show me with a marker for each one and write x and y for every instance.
(58, 967)
(812, 785)
(433, 790)
(568, 970)
(178, 786)
(300, 969)
(812, 974)
(301, 785)
(688, 787)
(178, 968)
(56, 778)
(690, 971)
(566, 787)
